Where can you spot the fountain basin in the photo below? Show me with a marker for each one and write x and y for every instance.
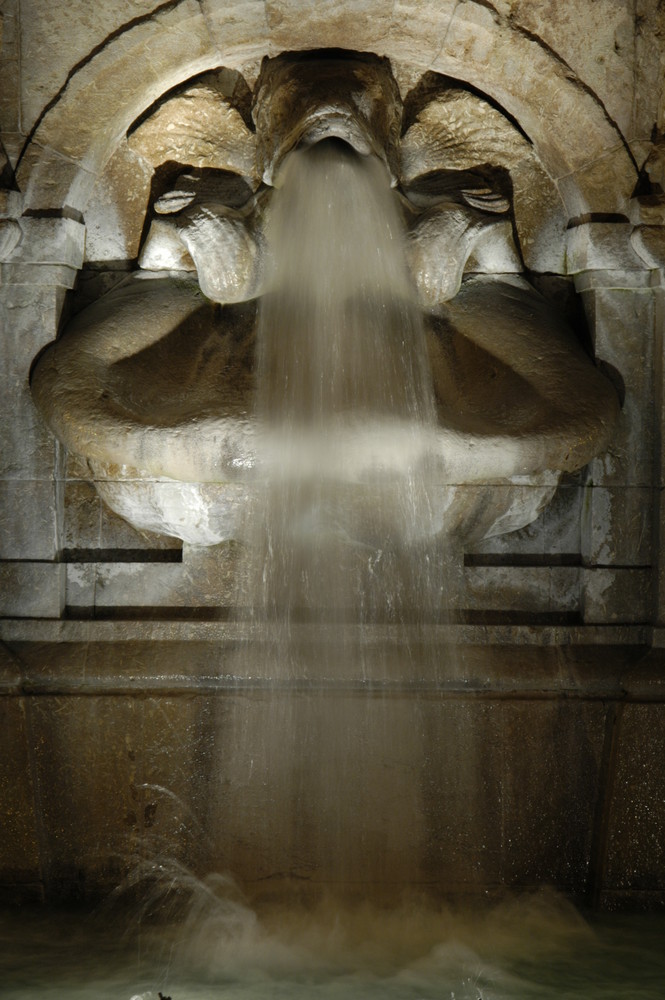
(153, 385)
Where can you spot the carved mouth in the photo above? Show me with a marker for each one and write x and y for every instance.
(329, 123)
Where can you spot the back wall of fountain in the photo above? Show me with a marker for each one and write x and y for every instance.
(535, 754)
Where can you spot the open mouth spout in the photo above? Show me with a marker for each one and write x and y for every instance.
(293, 107)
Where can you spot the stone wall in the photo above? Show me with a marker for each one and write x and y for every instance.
(114, 641)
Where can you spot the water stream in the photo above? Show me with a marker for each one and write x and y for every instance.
(342, 539)
(343, 527)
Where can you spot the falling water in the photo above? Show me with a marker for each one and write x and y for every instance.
(342, 547)
(324, 777)
(343, 530)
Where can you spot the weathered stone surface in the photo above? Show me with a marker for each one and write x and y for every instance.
(21, 861)
(543, 590)
(10, 119)
(598, 246)
(635, 858)
(417, 32)
(199, 126)
(616, 594)
(602, 185)
(617, 525)
(649, 61)
(28, 519)
(239, 30)
(69, 39)
(329, 25)
(50, 181)
(597, 43)
(540, 217)
(29, 318)
(51, 241)
(555, 533)
(116, 211)
(550, 778)
(622, 321)
(86, 744)
(31, 589)
(481, 46)
(109, 91)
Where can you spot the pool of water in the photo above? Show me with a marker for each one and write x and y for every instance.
(532, 948)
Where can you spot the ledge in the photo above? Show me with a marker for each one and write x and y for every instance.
(592, 663)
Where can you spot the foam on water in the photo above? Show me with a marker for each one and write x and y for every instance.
(534, 948)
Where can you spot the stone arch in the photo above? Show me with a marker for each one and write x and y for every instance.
(581, 149)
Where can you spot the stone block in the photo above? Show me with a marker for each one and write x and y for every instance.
(310, 786)
(81, 579)
(635, 843)
(460, 783)
(616, 595)
(597, 246)
(617, 525)
(69, 40)
(659, 555)
(89, 785)
(595, 41)
(176, 756)
(418, 29)
(82, 516)
(116, 533)
(555, 533)
(647, 109)
(587, 190)
(10, 671)
(9, 68)
(551, 753)
(58, 275)
(529, 590)
(20, 861)
(239, 29)
(622, 325)
(110, 90)
(141, 585)
(28, 519)
(51, 241)
(31, 590)
(116, 211)
(540, 217)
(50, 181)
(28, 447)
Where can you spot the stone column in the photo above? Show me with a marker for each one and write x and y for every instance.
(39, 260)
(618, 511)
(648, 240)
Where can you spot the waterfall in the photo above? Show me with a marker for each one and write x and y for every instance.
(342, 527)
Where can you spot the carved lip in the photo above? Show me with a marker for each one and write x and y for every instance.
(327, 123)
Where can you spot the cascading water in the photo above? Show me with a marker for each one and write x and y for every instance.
(340, 533)
(342, 541)
(342, 530)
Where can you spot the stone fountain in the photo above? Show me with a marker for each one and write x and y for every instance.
(144, 711)
(154, 384)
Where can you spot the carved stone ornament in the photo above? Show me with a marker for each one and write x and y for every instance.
(154, 384)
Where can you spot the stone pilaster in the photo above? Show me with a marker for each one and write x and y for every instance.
(39, 263)
(618, 511)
